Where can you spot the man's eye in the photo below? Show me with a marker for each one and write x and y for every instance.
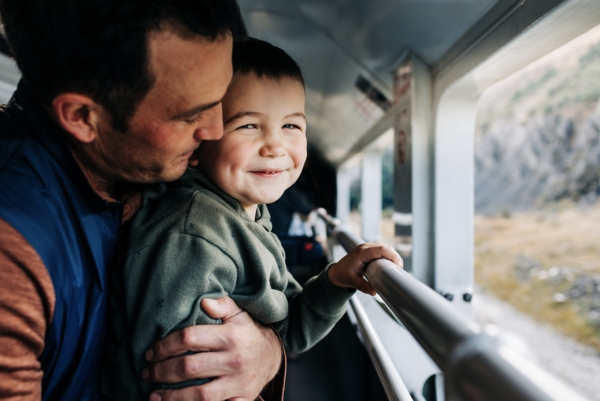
(290, 126)
(193, 120)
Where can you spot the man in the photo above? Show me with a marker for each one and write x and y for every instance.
(114, 93)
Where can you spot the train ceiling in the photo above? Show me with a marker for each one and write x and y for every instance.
(347, 50)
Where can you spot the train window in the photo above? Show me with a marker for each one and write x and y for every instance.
(353, 169)
(537, 189)
(375, 165)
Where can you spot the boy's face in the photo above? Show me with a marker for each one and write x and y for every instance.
(263, 148)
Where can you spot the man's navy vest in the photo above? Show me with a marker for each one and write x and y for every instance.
(45, 196)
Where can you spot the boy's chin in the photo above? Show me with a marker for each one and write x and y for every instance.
(268, 195)
(270, 199)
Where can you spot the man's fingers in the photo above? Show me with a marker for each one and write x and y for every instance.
(243, 357)
(187, 367)
(219, 389)
(206, 392)
(190, 339)
(222, 308)
(193, 338)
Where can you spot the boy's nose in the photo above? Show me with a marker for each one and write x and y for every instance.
(273, 146)
(213, 127)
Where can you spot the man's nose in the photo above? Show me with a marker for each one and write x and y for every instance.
(273, 145)
(212, 129)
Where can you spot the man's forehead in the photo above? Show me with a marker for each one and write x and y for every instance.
(174, 51)
(188, 74)
(171, 52)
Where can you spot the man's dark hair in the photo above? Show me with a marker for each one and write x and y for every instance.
(263, 59)
(100, 47)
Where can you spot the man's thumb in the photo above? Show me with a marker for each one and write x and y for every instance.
(222, 308)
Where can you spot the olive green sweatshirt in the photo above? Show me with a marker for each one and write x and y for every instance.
(190, 241)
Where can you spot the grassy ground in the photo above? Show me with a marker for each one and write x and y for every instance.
(527, 259)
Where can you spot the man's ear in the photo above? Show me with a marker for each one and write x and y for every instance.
(78, 115)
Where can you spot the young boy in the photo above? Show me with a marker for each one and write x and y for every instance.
(208, 235)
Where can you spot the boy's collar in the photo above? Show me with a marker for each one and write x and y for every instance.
(263, 217)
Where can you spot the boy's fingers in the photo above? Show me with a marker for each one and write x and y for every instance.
(363, 286)
(372, 252)
(394, 257)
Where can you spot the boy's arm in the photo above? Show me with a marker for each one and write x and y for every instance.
(313, 311)
(162, 279)
(255, 351)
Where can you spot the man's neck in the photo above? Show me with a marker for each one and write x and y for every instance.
(104, 188)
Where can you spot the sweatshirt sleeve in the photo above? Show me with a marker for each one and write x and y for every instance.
(313, 311)
(27, 302)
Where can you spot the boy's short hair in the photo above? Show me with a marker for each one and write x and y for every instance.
(263, 59)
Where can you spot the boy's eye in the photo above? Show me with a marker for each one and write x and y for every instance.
(248, 126)
(290, 126)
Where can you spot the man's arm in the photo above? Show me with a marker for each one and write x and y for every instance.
(244, 356)
(27, 302)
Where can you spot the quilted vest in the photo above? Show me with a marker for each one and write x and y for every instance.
(45, 196)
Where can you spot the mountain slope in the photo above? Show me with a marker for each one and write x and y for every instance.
(538, 134)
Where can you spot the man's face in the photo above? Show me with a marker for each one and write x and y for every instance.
(263, 149)
(182, 109)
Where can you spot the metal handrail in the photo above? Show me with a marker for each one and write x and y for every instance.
(391, 380)
(477, 364)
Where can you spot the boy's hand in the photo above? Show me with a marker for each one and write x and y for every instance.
(349, 271)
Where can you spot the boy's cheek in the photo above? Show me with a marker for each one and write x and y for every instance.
(299, 152)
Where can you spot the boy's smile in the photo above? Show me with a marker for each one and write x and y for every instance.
(263, 148)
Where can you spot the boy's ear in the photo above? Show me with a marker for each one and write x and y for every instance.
(77, 114)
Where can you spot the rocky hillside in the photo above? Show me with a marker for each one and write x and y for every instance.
(538, 133)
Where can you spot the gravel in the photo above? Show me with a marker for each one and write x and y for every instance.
(576, 364)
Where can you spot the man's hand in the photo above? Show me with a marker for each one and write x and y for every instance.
(349, 271)
(240, 354)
